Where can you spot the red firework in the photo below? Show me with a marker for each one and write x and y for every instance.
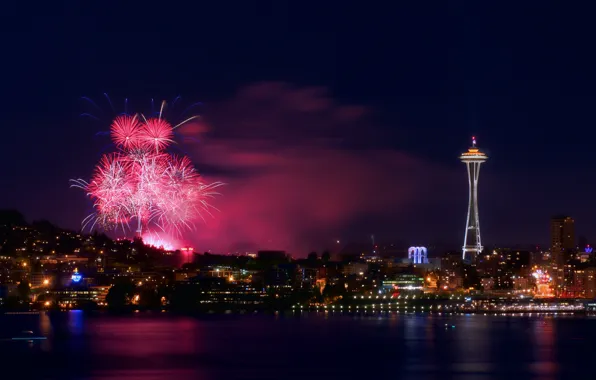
(145, 184)
(126, 131)
(156, 134)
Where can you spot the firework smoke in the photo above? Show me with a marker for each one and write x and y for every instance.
(144, 185)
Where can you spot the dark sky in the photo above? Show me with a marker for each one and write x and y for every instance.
(326, 121)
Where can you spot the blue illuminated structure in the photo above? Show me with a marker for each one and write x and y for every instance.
(418, 255)
(76, 276)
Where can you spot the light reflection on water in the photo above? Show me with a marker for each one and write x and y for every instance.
(164, 346)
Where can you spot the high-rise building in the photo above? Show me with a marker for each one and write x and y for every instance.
(590, 283)
(473, 158)
(562, 233)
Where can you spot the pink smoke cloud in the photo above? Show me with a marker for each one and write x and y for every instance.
(291, 185)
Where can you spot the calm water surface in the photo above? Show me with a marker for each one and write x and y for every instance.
(310, 346)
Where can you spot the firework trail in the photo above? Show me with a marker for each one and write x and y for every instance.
(144, 185)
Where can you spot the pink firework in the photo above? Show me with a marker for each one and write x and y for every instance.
(109, 188)
(144, 184)
(185, 197)
(157, 241)
(126, 131)
(156, 134)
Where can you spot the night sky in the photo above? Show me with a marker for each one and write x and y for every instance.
(326, 122)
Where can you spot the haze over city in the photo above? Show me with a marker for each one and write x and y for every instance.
(319, 134)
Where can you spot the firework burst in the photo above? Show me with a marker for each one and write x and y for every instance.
(156, 134)
(144, 185)
(126, 132)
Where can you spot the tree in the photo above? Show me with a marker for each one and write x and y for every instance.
(24, 290)
(149, 298)
(326, 256)
(12, 217)
(45, 227)
(120, 294)
(312, 257)
(189, 266)
(332, 292)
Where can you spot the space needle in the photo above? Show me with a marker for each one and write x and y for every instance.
(473, 158)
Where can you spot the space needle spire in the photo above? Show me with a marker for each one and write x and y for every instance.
(473, 158)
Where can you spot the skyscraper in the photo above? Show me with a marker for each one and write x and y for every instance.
(473, 158)
(562, 229)
(562, 235)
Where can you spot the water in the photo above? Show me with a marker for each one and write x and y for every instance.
(160, 346)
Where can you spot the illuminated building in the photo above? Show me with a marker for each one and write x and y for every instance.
(586, 255)
(39, 279)
(590, 282)
(563, 233)
(306, 276)
(487, 283)
(520, 283)
(76, 276)
(518, 262)
(562, 244)
(75, 296)
(183, 275)
(418, 255)
(219, 291)
(473, 158)
(431, 282)
(220, 271)
(451, 268)
(578, 288)
(404, 283)
(65, 259)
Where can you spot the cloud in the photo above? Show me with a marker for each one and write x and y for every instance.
(294, 179)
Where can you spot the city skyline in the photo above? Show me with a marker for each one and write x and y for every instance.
(268, 189)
